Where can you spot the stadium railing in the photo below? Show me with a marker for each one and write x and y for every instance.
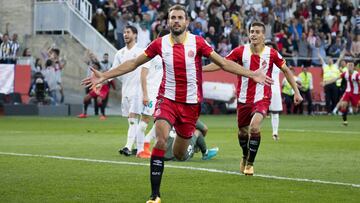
(62, 16)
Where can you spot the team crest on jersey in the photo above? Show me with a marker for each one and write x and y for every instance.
(191, 54)
(263, 64)
(157, 112)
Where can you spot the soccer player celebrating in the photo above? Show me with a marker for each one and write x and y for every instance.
(180, 92)
(253, 98)
(351, 94)
(131, 90)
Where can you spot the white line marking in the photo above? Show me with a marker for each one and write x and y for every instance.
(182, 167)
(320, 131)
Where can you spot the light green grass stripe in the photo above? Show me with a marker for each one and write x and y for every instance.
(319, 131)
(182, 167)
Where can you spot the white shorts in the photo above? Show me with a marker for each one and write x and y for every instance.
(131, 105)
(150, 108)
(276, 102)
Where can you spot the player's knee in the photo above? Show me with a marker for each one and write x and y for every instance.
(180, 155)
(243, 132)
(254, 128)
(143, 125)
(132, 121)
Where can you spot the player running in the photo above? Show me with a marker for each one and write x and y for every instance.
(254, 98)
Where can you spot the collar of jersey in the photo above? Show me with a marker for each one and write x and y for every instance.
(172, 41)
(260, 53)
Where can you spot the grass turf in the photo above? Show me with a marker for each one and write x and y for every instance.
(309, 148)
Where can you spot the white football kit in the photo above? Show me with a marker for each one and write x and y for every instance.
(131, 86)
(276, 101)
(153, 81)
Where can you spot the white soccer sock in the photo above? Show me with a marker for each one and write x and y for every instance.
(275, 123)
(151, 135)
(133, 123)
(140, 136)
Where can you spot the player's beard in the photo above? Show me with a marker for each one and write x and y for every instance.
(177, 32)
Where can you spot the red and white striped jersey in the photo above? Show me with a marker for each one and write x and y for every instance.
(352, 81)
(182, 78)
(248, 91)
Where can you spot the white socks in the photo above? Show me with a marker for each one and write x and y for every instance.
(151, 135)
(133, 123)
(140, 136)
(275, 123)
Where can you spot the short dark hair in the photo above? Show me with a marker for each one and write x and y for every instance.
(178, 7)
(106, 54)
(259, 24)
(132, 28)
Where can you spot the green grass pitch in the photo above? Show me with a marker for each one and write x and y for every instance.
(309, 149)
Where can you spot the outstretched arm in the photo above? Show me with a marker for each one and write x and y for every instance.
(340, 58)
(121, 69)
(143, 77)
(211, 67)
(232, 67)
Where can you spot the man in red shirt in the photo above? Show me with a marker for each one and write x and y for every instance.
(254, 98)
(180, 91)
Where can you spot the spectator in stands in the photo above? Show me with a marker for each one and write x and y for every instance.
(110, 10)
(336, 48)
(105, 64)
(37, 67)
(5, 50)
(50, 77)
(303, 50)
(143, 38)
(355, 47)
(99, 21)
(15, 46)
(288, 50)
(203, 21)
(121, 21)
(212, 35)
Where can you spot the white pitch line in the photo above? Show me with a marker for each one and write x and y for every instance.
(183, 167)
(320, 131)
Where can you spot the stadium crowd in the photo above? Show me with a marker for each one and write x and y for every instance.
(300, 28)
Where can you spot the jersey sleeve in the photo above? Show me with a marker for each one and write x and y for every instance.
(235, 55)
(203, 47)
(279, 61)
(153, 48)
(342, 75)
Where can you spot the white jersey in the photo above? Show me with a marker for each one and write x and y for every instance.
(131, 85)
(276, 101)
(154, 76)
